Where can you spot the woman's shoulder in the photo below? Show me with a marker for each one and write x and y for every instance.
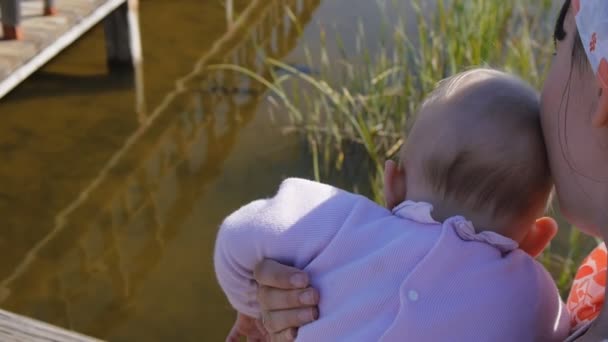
(588, 288)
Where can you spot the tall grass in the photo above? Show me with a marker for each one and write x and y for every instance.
(369, 102)
(374, 99)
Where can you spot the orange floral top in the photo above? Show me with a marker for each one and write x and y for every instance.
(587, 294)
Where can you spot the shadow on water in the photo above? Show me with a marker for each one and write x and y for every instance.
(57, 84)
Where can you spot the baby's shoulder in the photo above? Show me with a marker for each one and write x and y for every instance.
(515, 272)
(510, 292)
(528, 272)
(518, 284)
(480, 270)
(493, 260)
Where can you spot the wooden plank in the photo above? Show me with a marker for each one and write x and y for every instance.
(46, 36)
(15, 328)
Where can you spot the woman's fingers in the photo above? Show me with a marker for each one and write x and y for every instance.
(286, 300)
(248, 327)
(273, 274)
(277, 321)
(279, 299)
(286, 335)
(234, 335)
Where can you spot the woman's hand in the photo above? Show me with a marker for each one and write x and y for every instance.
(248, 327)
(286, 300)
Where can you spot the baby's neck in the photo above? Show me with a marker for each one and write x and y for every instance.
(482, 220)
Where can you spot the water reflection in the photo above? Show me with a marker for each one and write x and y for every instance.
(88, 271)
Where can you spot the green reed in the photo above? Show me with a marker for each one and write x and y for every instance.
(371, 101)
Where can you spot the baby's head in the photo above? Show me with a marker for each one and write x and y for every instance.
(477, 150)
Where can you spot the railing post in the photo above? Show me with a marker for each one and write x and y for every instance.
(123, 46)
(230, 12)
(49, 7)
(123, 41)
(11, 18)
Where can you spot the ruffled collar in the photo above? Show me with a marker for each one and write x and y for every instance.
(421, 212)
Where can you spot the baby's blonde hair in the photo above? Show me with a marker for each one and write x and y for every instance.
(483, 143)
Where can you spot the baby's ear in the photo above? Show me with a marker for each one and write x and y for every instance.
(538, 238)
(394, 184)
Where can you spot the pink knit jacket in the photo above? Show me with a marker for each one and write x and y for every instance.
(389, 276)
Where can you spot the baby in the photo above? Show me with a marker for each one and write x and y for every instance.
(443, 262)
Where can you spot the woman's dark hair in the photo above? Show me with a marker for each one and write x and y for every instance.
(559, 34)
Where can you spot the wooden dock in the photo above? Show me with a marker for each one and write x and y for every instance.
(15, 328)
(42, 37)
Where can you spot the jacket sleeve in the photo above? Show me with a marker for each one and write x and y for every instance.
(293, 228)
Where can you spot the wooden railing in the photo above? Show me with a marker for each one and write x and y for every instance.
(15, 328)
(11, 17)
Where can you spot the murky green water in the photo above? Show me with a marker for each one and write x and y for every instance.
(110, 209)
(109, 223)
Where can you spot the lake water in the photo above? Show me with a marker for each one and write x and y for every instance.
(110, 208)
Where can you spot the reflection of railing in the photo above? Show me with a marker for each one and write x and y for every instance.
(120, 223)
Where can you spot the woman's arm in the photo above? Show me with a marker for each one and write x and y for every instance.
(286, 299)
(586, 301)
